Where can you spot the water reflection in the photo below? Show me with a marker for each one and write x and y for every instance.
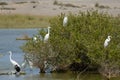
(51, 76)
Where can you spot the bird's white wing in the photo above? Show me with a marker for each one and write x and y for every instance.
(46, 37)
(14, 63)
(106, 43)
(65, 20)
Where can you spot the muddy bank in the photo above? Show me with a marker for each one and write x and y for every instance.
(56, 7)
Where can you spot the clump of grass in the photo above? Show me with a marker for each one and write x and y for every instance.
(71, 5)
(34, 6)
(97, 5)
(55, 2)
(3, 3)
(33, 2)
(20, 2)
(66, 5)
(6, 8)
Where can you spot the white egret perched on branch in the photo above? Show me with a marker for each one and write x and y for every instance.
(65, 20)
(15, 64)
(34, 38)
(47, 35)
(107, 41)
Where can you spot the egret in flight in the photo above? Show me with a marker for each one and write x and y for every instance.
(15, 64)
(107, 41)
(47, 35)
(65, 20)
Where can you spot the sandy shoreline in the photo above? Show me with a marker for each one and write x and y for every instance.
(48, 8)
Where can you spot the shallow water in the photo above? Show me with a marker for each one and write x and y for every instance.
(8, 42)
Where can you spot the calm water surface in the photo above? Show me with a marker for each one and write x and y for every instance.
(8, 42)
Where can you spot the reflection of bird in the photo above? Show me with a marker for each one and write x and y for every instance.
(30, 64)
(27, 62)
(24, 64)
(107, 41)
(47, 67)
(47, 35)
(65, 20)
(15, 64)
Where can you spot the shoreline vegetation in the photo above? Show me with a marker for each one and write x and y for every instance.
(36, 14)
(74, 44)
(18, 21)
(78, 46)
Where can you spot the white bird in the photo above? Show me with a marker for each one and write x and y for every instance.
(35, 38)
(107, 41)
(15, 64)
(65, 20)
(47, 35)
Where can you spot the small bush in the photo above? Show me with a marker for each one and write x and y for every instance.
(55, 2)
(3, 3)
(97, 5)
(33, 2)
(66, 5)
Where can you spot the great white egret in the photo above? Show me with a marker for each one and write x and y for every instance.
(107, 41)
(15, 64)
(47, 35)
(65, 20)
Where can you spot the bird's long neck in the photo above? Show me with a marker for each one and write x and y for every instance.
(10, 56)
(48, 30)
(108, 38)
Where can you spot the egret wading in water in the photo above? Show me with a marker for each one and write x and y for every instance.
(107, 41)
(47, 35)
(65, 21)
(15, 64)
